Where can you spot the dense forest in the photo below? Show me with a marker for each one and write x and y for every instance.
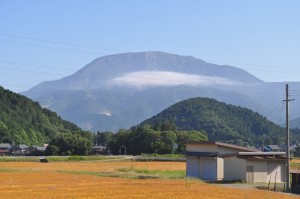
(164, 139)
(23, 121)
(221, 122)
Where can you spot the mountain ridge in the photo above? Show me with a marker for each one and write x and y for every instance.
(98, 95)
(102, 69)
(221, 122)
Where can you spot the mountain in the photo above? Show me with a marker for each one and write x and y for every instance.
(295, 123)
(122, 90)
(23, 121)
(221, 122)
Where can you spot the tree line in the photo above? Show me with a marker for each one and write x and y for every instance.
(148, 139)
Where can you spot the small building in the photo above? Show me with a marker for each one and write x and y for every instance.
(204, 160)
(295, 185)
(19, 150)
(272, 148)
(255, 167)
(35, 150)
(4, 148)
(220, 161)
(99, 150)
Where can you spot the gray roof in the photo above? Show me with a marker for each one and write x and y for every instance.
(258, 155)
(201, 154)
(23, 146)
(224, 145)
(274, 147)
(5, 145)
(39, 148)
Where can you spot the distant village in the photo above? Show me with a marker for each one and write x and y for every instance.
(34, 150)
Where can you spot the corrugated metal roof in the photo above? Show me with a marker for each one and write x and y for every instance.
(257, 155)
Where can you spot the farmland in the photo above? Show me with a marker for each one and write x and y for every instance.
(113, 179)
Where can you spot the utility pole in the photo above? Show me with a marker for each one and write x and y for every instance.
(287, 139)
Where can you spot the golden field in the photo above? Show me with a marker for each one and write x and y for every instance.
(295, 160)
(37, 180)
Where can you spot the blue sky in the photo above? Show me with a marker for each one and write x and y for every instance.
(49, 39)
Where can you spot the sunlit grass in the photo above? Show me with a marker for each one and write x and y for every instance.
(96, 180)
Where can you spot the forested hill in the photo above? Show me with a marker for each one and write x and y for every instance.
(23, 121)
(221, 122)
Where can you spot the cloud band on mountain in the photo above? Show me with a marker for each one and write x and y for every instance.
(144, 79)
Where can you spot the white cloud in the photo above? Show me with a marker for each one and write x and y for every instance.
(143, 79)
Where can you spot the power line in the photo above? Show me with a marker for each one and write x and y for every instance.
(34, 65)
(30, 71)
(55, 48)
(105, 76)
(247, 64)
(63, 43)
(123, 51)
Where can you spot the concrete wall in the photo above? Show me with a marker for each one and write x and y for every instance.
(276, 170)
(220, 168)
(263, 170)
(260, 171)
(234, 169)
(201, 147)
(226, 150)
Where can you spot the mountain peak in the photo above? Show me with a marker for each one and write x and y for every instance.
(102, 71)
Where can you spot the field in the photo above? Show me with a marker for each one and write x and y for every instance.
(112, 179)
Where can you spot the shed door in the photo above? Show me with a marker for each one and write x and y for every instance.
(209, 169)
(250, 174)
(192, 167)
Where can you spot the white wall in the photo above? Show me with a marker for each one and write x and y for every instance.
(234, 169)
(276, 170)
(227, 150)
(260, 170)
(220, 168)
(201, 147)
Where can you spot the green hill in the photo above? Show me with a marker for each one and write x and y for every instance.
(23, 121)
(221, 122)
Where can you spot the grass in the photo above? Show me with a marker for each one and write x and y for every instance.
(133, 173)
(59, 158)
(145, 173)
(112, 179)
(158, 157)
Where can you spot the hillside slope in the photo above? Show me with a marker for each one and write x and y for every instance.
(221, 122)
(23, 121)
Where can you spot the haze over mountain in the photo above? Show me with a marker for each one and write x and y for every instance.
(118, 91)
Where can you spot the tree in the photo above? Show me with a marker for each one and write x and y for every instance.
(70, 144)
(168, 139)
(103, 138)
(185, 136)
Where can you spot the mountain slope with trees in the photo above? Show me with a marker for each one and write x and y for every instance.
(23, 121)
(221, 122)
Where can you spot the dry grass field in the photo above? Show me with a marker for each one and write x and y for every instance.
(87, 180)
